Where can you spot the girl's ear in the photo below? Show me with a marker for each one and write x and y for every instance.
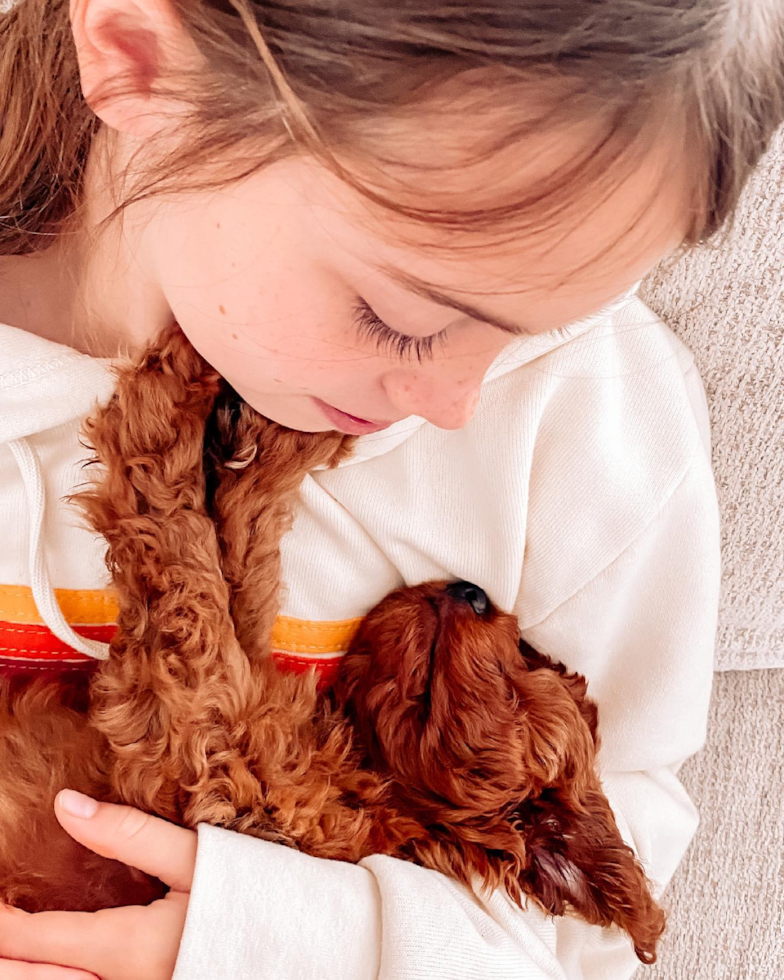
(130, 53)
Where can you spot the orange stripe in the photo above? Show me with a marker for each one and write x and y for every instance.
(98, 607)
(85, 606)
(304, 636)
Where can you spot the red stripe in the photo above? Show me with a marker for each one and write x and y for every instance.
(326, 670)
(29, 641)
(29, 647)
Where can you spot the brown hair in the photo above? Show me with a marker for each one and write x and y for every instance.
(324, 78)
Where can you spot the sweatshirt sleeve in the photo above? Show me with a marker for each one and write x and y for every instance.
(643, 632)
(260, 910)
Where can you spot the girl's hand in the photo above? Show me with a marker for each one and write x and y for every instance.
(132, 943)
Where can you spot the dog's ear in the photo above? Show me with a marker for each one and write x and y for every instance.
(574, 683)
(576, 859)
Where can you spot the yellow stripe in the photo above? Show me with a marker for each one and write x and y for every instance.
(81, 607)
(304, 636)
(91, 607)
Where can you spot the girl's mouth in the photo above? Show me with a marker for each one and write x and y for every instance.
(349, 424)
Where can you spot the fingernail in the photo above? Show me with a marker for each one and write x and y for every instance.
(77, 804)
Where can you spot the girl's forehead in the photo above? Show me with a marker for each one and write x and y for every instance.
(575, 261)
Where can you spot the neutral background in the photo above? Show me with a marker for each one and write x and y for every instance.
(727, 303)
(727, 899)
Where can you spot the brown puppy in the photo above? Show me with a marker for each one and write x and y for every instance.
(446, 741)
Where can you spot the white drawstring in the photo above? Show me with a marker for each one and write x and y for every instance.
(43, 593)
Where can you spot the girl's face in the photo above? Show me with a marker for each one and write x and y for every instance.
(317, 311)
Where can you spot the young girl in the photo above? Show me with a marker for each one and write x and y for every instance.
(421, 224)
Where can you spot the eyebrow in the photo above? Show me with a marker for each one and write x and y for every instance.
(426, 291)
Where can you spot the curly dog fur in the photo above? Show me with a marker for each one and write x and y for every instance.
(446, 741)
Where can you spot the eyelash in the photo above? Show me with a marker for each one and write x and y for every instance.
(389, 341)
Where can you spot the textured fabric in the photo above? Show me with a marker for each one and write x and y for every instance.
(580, 497)
(325, 920)
(726, 302)
(726, 901)
(41, 587)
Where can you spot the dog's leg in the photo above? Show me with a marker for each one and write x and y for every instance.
(293, 744)
(198, 731)
(255, 470)
(175, 667)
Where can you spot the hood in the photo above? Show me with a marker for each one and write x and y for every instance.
(522, 351)
(44, 384)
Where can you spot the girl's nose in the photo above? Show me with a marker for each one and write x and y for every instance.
(447, 404)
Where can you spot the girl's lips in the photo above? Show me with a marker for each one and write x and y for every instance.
(349, 424)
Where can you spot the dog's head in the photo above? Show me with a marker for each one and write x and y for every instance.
(492, 745)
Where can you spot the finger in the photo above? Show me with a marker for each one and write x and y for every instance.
(112, 943)
(16, 970)
(150, 844)
(52, 938)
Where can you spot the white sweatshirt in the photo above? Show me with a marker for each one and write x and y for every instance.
(580, 496)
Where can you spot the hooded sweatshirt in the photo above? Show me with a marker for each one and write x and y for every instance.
(580, 497)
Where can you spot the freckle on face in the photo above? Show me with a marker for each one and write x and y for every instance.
(234, 336)
(222, 308)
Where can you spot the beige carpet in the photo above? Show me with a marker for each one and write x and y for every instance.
(727, 898)
(726, 302)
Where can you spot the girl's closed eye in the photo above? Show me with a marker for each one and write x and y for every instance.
(391, 341)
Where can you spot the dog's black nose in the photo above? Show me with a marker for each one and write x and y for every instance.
(472, 594)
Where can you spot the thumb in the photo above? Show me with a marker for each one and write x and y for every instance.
(125, 834)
